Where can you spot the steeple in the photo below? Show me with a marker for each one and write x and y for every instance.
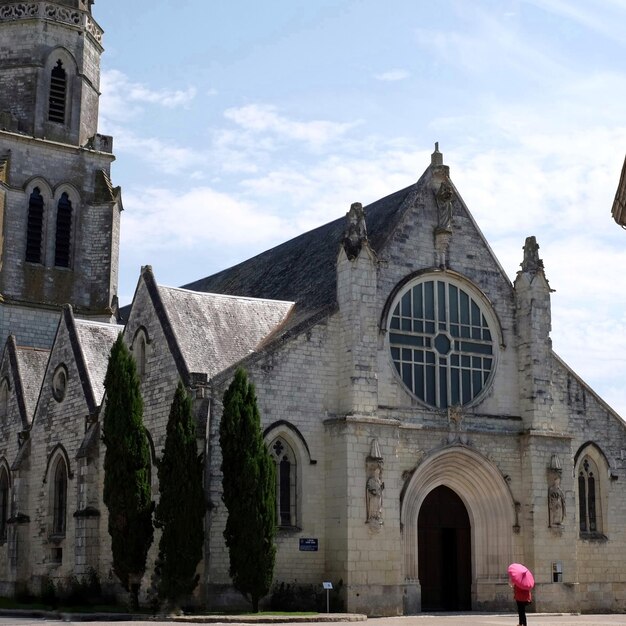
(59, 210)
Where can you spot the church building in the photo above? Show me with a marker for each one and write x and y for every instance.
(424, 432)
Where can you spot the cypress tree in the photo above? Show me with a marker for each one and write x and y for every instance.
(181, 508)
(127, 492)
(249, 492)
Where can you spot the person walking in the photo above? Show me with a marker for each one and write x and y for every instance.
(523, 597)
(522, 581)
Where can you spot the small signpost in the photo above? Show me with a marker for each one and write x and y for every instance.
(328, 586)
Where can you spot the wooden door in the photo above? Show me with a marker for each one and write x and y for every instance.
(444, 549)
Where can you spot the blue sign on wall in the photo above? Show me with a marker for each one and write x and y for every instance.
(308, 544)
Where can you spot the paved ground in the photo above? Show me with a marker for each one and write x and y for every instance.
(442, 619)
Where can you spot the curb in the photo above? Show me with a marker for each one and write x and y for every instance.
(185, 619)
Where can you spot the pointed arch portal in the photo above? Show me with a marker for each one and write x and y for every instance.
(443, 539)
(475, 530)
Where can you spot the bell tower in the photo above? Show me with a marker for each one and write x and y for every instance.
(59, 212)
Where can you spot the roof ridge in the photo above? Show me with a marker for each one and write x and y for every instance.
(223, 295)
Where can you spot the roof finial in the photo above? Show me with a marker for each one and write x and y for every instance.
(436, 158)
(356, 230)
(531, 263)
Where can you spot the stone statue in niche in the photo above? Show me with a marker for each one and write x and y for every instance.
(556, 502)
(374, 486)
(444, 197)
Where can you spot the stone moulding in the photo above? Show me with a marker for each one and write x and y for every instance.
(88, 511)
(19, 518)
(30, 10)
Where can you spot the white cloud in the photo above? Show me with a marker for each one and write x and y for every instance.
(323, 191)
(166, 219)
(165, 98)
(163, 156)
(121, 98)
(263, 118)
(392, 75)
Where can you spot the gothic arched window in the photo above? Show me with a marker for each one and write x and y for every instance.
(59, 497)
(139, 352)
(64, 232)
(34, 227)
(286, 494)
(4, 502)
(589, 504)
(58, 94)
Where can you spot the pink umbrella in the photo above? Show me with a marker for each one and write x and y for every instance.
(521, 576)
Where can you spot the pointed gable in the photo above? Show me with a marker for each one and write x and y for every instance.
(205, 333)
(87, 345)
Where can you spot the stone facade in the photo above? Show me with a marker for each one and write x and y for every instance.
(425, 433)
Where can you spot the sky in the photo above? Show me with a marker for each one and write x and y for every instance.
(238, 125)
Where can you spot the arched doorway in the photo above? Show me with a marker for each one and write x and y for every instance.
(444, 547)
(482, 488)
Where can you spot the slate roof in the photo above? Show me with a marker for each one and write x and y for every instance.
(95, 340)
(214, 331)
(31, 363)
(303, 270)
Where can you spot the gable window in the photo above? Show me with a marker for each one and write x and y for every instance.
(4, 503)
(34, 227)
(589, 509)
(59, 498)
(58, 94)
(63, 232)
(286, 496)
(59, 383)
(441, 342)
(139, 352)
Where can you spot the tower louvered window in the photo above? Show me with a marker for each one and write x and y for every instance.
(58, 94)
(34, 227)
(63, 232)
